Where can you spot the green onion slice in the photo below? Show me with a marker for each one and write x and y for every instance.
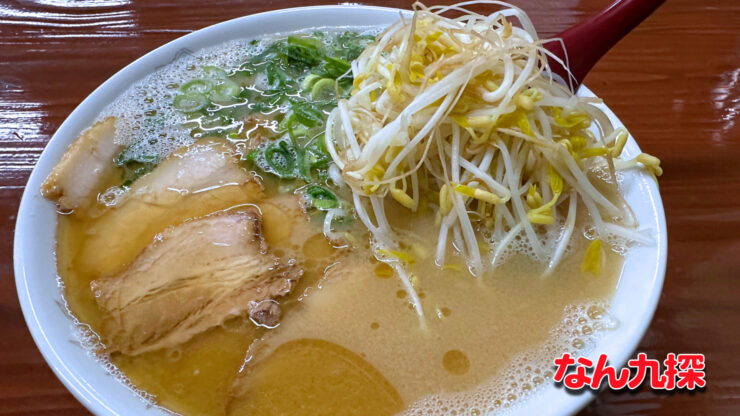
(190, 102)
(213, 72)
(280, 158)
(225, 91)
(199, 86)
(310, 80)
(321, 198)
(323, 89)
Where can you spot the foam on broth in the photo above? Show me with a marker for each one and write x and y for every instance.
(488, 342)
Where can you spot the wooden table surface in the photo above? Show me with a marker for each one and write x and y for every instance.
(675, 83)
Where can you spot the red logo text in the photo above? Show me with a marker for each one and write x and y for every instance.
(680, 371)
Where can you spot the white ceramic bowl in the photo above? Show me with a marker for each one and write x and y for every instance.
(53, 329)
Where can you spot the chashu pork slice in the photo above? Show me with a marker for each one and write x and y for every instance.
(191, 278)
(192, 182)
(85, 165)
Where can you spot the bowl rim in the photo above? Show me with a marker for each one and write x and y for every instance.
(76, 383)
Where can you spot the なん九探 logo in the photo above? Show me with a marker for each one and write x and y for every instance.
(678, 371)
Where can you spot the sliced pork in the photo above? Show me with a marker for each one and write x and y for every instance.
(193, 277)
(86, 164)
(192, 182)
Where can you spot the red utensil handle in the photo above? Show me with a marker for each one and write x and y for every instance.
(588, 41)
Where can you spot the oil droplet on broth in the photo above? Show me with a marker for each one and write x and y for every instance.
(456, 362)
(401, 294)
(374, 325)
(384, 271)
(173, 354)
(317, 247)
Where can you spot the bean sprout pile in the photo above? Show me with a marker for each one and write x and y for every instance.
(462, 115)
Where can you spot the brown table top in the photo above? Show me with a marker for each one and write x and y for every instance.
(674, 82)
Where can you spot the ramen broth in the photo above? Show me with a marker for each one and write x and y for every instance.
(349, 340)
(487, 340)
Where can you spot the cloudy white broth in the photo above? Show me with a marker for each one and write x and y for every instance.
(238, 234)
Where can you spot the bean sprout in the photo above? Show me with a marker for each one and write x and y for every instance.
(463, 115)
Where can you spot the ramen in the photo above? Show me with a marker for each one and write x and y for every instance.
(412, 220)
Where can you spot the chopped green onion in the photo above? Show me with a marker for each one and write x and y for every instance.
(200, 86)
(336, 67)
(136, 160)
(323, 89)
(214, 72)
(300, 91)
(275, 75)
(190, 102)
(306, 114)
(304, 50)
(252, 156)
(316, 153)
(310, 80)
(225, 91)
(321, 198)
(281, 159)
(305, 41)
